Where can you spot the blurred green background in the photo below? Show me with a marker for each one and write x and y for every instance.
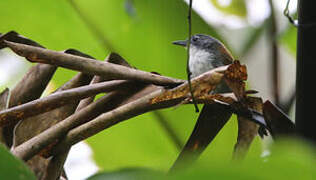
(142, 31)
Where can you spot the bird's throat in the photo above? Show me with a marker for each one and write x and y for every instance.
(200, 61)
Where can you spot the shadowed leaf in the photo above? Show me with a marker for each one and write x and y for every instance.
(277, 121)
(211, 120)
(128, 174)
(247, 129)
(13, 168)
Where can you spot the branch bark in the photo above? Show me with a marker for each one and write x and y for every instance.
(160, 98)
(12, 115)
(87, 66)
(55, 165)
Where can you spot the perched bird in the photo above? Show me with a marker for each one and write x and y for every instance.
(206, 53)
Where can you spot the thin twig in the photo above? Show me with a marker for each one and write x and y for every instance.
(286, 13)
(87, 66)
(188, 55)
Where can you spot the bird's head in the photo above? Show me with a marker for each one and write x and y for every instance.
(200, 41)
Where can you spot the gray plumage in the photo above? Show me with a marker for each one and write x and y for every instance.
(206, 53)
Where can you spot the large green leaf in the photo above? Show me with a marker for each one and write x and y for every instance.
(236, 7)
(142, 32)
(51, 23)
(128, 174)
(13, 168)
(288, 160)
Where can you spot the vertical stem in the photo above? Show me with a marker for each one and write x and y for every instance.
(274, 55)
(305, 90)
(188, 56)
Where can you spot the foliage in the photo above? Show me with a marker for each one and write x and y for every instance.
(13, 168)
(235, 7)
(142, 32)
(289, 160)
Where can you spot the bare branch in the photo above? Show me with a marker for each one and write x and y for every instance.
(55, 165)
(105, 103)
(104, 121)
(4, 101)
(55, 100)
(87, 66)
(50, 135)
(111, 118)
(159, 98)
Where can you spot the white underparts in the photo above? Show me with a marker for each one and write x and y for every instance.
(200, 61)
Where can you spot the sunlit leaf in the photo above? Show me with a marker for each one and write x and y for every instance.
(235, 7)
(288, 39)
(288, 160)
(128, 174)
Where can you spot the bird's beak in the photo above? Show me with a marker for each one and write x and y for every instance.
(180, 43)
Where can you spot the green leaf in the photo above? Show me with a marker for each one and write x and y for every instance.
(236, 7)
(52, 24)
(128, 174)
(13, 168)
(288, 160)
(142, 33)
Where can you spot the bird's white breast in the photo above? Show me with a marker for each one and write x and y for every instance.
(200, 61)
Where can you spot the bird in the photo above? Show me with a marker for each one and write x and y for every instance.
(206, 53)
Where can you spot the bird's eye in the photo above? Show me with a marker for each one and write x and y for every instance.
(194, 38)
